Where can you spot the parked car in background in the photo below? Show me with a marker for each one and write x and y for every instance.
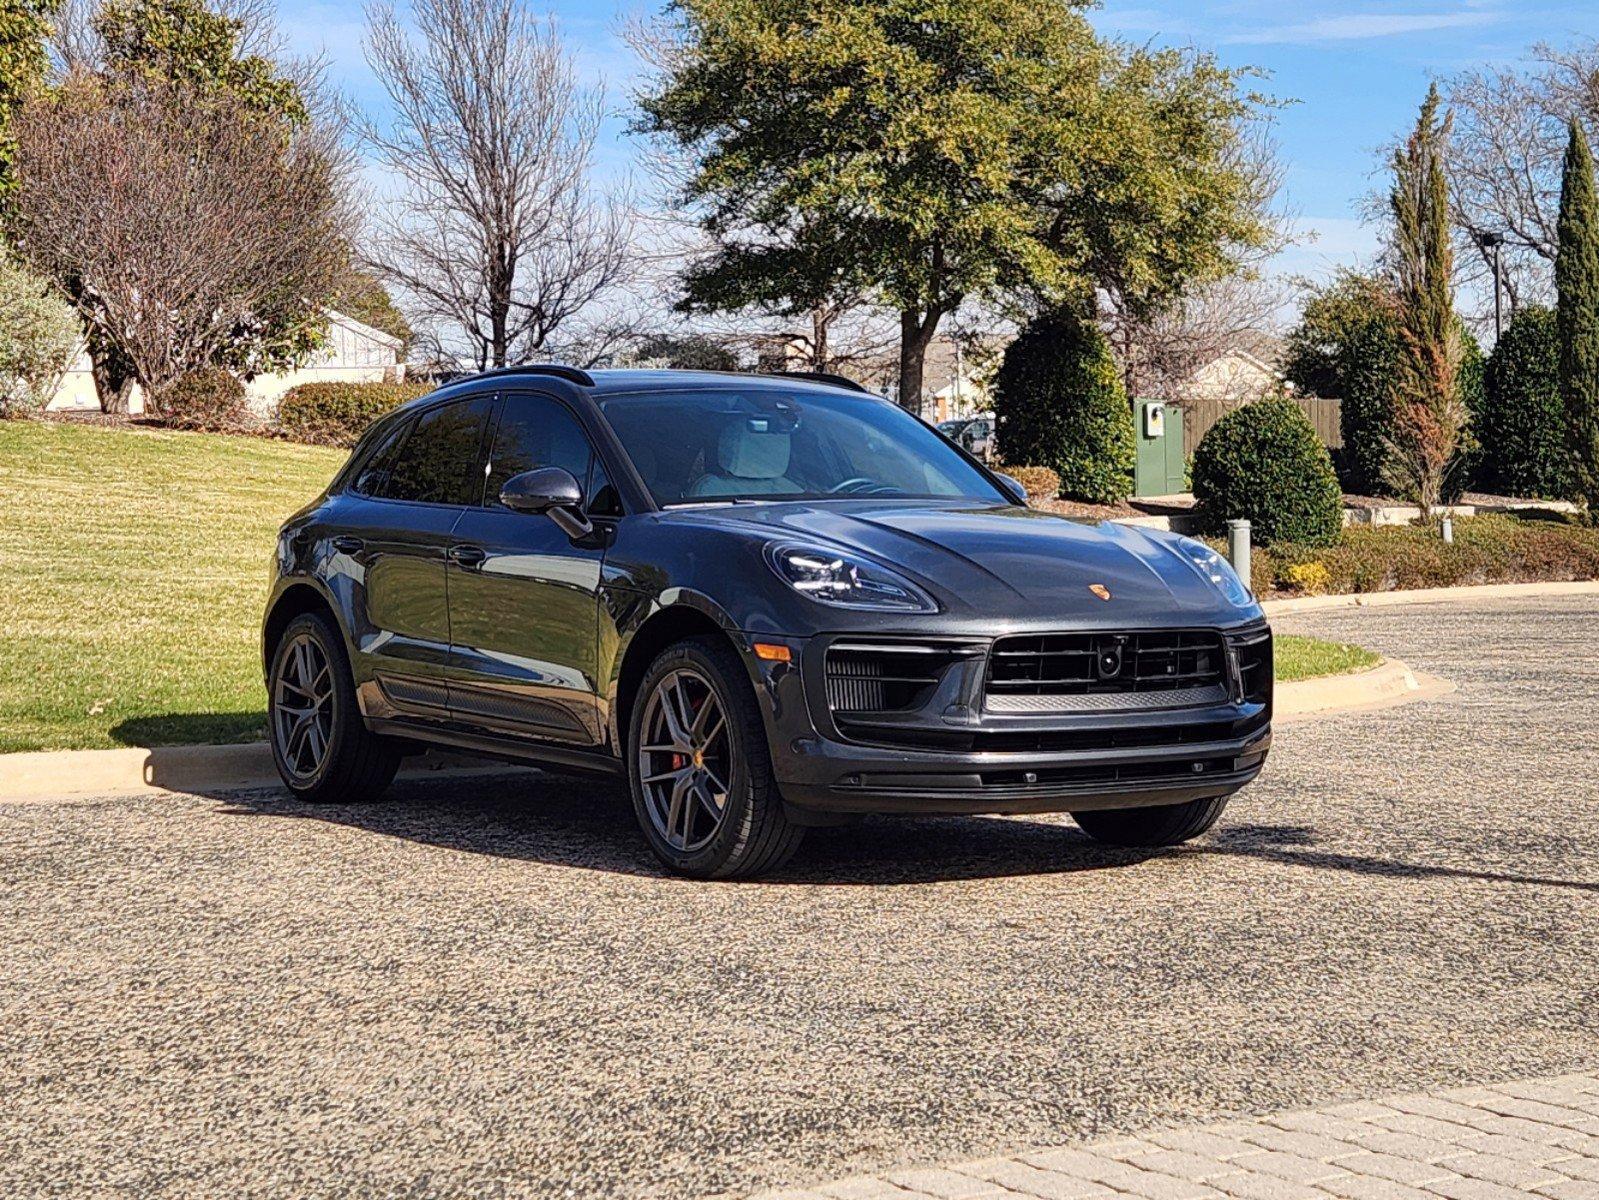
(764, 603)
(975, 435)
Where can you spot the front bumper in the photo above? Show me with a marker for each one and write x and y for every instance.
(980, 761)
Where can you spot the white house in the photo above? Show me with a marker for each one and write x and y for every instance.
(1246, 370)
(354, 353)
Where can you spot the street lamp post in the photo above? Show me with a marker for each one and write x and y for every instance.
(1492, 242)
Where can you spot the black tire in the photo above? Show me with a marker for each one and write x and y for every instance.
(357, 765)
(754, 834)
(1165, 825)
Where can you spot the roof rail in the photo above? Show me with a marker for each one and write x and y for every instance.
(827, 377)
(571, 374)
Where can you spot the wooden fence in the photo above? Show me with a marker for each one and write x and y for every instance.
(1200, 415)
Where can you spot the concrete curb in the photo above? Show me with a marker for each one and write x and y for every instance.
(135, 771)
(64, 774)
(1482, 591)
(1389, 683)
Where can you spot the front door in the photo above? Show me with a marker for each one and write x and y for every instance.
(394, 532)
(524, 599)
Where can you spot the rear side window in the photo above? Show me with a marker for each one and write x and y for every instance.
(440, 462)
(370, 480)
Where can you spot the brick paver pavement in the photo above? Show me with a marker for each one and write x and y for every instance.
(1536, 1138)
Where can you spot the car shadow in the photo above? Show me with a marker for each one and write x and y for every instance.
(588, 824)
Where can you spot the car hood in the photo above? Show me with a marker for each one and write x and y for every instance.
(1003, 561)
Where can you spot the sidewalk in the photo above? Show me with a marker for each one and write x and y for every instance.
(1537, 1138)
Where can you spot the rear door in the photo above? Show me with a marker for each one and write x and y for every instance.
(524, 598)
(395, 536)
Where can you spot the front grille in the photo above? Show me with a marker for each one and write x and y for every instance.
(885, 677)
(1188, 665)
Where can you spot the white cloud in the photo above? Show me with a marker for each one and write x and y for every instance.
(1361, 26)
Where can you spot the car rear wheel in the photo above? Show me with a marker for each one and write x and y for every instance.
(700, 768)
(323, 750)
(1165, 825)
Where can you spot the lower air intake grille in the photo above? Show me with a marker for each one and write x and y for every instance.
(1161, 669)
(882, 678)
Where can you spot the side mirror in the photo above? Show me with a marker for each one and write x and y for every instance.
(1014, 484)
(552, 491)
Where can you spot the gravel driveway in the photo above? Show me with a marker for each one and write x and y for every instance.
(485, 988)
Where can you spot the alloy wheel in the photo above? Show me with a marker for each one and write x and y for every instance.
(302, 707)
(685, 760)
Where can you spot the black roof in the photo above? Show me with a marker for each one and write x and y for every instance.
(617, 381)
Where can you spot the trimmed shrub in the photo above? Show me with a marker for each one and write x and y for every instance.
(1488, 549)
(336, 414)
(38, 332)
(210, 400)
(1040, 483)
(1059, 403)
(1522, 427)
(1265, 463)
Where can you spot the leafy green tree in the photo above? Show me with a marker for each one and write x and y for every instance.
(185, 42)
(24, 25)
(1430, 416)
(1577, 309)
(1059, 403)
(1522, 429)
(1336, 315)
(934, 153)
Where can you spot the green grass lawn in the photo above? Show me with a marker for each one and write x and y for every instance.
(1306, 658)
(135, 567)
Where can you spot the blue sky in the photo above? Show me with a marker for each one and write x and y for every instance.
(1355, 72)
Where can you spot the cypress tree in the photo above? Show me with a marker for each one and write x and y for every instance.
(1577, 314)
(1430, 419)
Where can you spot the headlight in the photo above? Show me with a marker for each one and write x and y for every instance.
(1218, 570)
(846, 581)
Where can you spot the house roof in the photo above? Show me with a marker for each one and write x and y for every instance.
(362, 329)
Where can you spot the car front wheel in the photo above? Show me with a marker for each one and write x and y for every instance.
(323, 750)
(700, 769)
(1163, 825)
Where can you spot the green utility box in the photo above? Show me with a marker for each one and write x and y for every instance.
(1158, 465)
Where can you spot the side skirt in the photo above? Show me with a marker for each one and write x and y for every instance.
(513, 750)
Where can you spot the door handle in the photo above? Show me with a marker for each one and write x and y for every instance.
(467, 557)
(345, 544)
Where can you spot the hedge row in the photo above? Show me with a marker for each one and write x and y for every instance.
(336, 414)
(1487, 549)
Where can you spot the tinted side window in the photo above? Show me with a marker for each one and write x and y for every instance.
(438, 464)
(370, 480)
(534, 432)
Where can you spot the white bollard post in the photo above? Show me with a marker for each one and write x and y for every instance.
(1238, 548)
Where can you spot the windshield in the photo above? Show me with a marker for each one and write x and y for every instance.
(699, 447)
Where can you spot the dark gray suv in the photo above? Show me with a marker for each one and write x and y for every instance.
(767, 603)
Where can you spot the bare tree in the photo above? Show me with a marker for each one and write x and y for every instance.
(178, 226)
(1504, 162)
(1158, 352)
(496, 235)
